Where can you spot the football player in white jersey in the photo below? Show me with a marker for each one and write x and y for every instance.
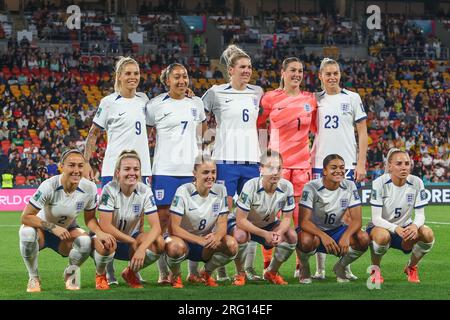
(323, 204)
(235, 106)
(256, 218)
(49, 221)
(122, 114)
(338, 112)
(394, 197)
(124, 203)
(178, 121)
(198, 225)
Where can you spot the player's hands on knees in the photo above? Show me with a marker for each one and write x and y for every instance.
(106, 240)
(272, 238)
(411, 232)
(344, 245)
(330, 245)
(400, 231)
(212, 241)
(137, 261)
(61, 233)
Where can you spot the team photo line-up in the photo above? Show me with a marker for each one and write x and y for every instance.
(288, 198)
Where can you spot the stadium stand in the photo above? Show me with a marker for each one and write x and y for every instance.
(48, 97)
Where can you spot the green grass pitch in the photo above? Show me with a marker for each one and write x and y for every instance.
(434, 273)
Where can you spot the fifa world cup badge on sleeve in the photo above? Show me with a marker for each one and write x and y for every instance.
(290, 200)
(243, 197)
(423, 195)
(305, 195)
(104, 199)
(374, 194)
(175, 200)
(37, 195)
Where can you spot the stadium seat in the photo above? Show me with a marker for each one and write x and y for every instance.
(20, 180)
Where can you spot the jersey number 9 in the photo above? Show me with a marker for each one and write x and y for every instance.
(138, 128)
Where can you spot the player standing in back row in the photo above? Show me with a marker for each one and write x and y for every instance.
(177, 120)
(338, 111)
(236, 108)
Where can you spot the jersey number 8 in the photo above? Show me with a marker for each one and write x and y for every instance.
(202, 224)
(333, 125)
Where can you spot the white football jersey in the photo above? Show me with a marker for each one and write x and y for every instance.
(199, 215)
(127, 211)
(261, 207)
(60, 208)
(236, 112)
(335, 121)
(125, 123)
(177, 143)
(328, 206)
(398, 202)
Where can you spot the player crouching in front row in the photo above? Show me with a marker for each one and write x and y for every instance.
(324, 202)
(198, 225)
(123, 204)
(394, 195)
(256, 218)
(49, 221)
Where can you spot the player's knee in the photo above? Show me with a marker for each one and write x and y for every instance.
(241, 236)
(83, 243)
(363, 240)
(426, 234)
(159, 245)
(232, 245)
(307, 244)
(291, 236)
(27, 234)
(175, 249)
(381, 236)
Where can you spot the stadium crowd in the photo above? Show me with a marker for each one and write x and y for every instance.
(48, 99)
